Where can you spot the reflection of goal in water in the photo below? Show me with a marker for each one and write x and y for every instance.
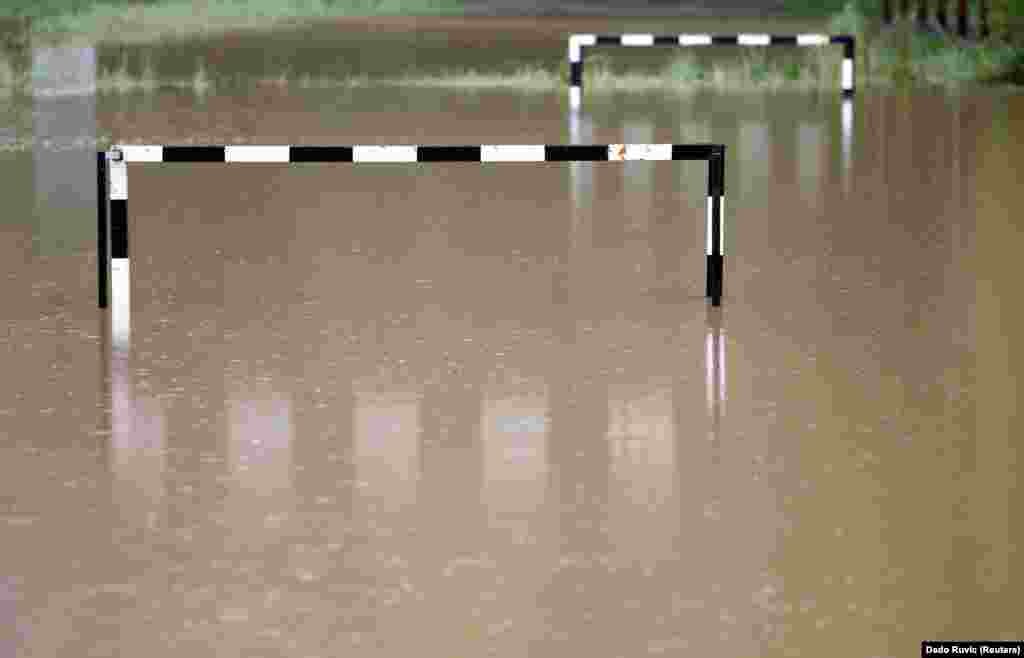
(114, 279)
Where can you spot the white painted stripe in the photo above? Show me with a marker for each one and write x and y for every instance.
(120, 311)
(694, 39)
(141, 152)
(384, 154)
(119, 180)
(575, 98)
(637, 39)
(576, 43)
(721, 225)
(512, 153)
(811, 39)
(707, 233)
(754, 39)
(250, 153)
(639, 151)
(847, 73)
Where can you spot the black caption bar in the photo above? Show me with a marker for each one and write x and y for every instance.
(933, 649)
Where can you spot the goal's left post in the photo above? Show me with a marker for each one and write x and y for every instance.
(117, 235)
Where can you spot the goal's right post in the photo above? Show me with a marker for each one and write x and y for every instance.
(715, 228)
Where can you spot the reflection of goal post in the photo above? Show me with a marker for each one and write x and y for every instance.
(112, 181)
(577, 43)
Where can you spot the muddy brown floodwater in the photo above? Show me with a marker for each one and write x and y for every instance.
(474, 410)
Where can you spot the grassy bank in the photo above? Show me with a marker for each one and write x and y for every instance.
(905, 53)
(143, 20)
(907, 56)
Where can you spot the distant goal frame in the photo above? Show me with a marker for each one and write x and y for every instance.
(578, 43)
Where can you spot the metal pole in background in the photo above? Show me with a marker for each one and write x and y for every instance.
(63, 106)
(941, 16)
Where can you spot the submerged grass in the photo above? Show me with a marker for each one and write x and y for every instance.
(121, 80)
(815, 71)
(524, 79)
(683, 74)
(811, 69)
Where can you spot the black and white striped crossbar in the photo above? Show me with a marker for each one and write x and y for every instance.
(393, 154)
(577, 43)
(112, 184)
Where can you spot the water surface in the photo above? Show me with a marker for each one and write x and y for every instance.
(486, 410)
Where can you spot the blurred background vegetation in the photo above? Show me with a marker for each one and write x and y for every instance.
(899, 42)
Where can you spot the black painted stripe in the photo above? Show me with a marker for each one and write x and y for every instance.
(193, 154)
(716, 171)
(692, 151)
(849, 44)
(576, 72)
(710, 275)
(725, 40)
(448, 154)
(608, 40)
(716, 225)
(102, 260)
(666, 40)
(320, 154)
(784, 40)
(119, 228)
(717, 275)
(576, 153)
